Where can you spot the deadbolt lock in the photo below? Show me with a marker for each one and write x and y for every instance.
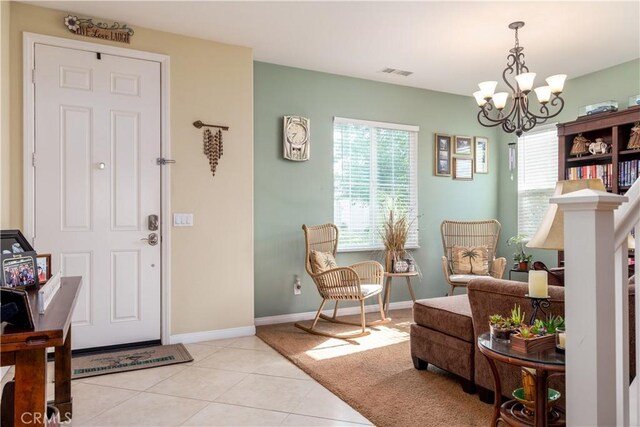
(152, 222)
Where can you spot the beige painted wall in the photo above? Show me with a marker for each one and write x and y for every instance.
(5, 10)
(212, 262)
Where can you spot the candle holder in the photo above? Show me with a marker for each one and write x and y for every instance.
(538, 303)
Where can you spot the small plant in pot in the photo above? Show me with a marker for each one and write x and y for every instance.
(537, 337)
(502, 327)
(520, 257)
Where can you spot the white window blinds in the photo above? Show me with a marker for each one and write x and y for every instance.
(374, 169)
(537, 176)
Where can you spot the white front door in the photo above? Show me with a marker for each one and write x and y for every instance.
(97, 137)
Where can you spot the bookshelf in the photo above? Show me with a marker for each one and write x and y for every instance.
(619, 167)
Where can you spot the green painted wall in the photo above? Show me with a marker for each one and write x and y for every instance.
(289, 194)
(615, 83)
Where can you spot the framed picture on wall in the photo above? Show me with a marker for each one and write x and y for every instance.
(462, 146)
(442, 154)
(462, 169)
(481, 154)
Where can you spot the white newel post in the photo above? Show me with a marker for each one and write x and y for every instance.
(590, 305)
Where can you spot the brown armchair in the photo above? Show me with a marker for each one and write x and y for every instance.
(354, 283)
(470, 233)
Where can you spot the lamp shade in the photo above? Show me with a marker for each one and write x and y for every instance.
(500, 100)
(479, 98)
(525, 81)
(550, 234)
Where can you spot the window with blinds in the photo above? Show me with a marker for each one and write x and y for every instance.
(537, 176)
(374, 170)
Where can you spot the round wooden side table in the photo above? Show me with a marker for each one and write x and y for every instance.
(546, 364)
(387, 286)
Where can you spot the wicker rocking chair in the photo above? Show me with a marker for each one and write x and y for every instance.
(470, 233)
(354, 283)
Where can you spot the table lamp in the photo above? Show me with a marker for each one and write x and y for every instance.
(550, 234)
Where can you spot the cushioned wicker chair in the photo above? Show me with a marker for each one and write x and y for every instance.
(354, 283)
(470, 233)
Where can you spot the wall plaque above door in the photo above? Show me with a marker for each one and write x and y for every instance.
(86, 27)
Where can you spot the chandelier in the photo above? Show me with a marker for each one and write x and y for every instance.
(518, 117)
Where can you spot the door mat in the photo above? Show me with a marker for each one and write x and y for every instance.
(128, 360)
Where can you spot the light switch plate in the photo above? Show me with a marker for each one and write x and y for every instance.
(183, 220)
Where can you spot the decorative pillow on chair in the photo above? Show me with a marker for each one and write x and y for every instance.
(470, 260)
(322, 261)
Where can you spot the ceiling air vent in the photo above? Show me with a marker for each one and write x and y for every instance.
(396, 71)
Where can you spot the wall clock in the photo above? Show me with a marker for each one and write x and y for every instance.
(295, 137)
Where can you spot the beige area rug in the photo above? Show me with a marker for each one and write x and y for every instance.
(128, 360)
(375, 374)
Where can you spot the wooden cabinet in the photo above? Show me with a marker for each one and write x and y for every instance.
(619, 165)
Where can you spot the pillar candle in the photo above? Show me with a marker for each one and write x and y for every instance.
(561, 339)
(538, 285)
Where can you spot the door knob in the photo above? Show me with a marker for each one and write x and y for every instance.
(152, 239)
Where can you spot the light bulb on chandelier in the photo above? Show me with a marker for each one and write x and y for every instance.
(519, 117)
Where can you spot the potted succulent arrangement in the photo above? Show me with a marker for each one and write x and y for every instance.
(520, 257)
(537, 337)
(502, 327)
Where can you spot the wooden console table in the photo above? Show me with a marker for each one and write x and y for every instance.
(27, 350)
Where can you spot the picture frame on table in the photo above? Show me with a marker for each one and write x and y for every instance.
(43, 262)
(481, 148)
(14, 242)
(442, 157)
(18, 268)
(463, 146)
(463, 168)
(16, 308)
(19, 271)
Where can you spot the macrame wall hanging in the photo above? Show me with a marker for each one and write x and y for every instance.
(212, 144)
(213, 148)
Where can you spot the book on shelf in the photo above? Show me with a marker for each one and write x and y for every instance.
(604, 172)
(628, 172)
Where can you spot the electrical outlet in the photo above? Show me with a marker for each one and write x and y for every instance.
(297, 286)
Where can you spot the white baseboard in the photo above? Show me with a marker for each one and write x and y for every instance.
(296, 317)
(218, 334)
(245, 331)
(4, 370)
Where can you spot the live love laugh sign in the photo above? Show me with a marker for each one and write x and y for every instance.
(86, 27)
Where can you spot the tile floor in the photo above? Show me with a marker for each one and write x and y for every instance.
(235, 382)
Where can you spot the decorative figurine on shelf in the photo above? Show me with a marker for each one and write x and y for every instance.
(634, 141)
(599, 147)
(580, 146)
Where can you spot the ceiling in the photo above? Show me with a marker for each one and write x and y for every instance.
(449, 46)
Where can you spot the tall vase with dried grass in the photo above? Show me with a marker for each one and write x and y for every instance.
(395, 232)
